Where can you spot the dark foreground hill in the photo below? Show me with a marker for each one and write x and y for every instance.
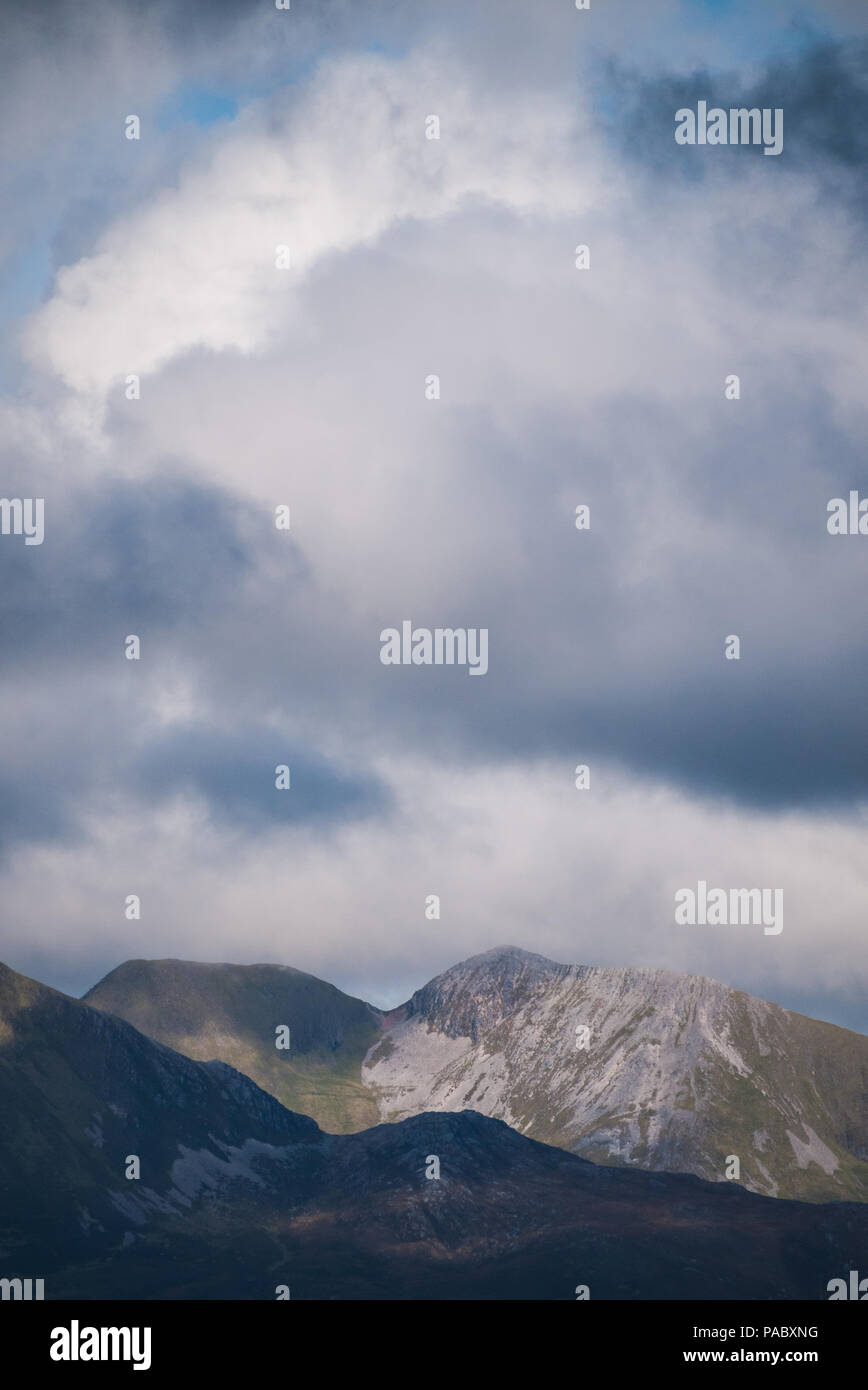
(238, 1196)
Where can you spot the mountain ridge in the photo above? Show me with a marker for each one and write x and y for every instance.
(678, 1072)
(239, 1198)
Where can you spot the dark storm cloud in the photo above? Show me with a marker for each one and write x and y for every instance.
(66, 771)
(585, 665)
(121, 559)
(31, 812)
(167, 562)
(234, 772)
(827, 91)
(823, 92)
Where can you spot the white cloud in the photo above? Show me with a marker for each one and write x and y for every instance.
(195, 267)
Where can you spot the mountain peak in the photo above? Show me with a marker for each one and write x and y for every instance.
(508, 954)
(477, 993)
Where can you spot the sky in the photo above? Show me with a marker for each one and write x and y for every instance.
(264, 386)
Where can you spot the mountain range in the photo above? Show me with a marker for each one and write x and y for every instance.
(237, 1197)
(678, 1072)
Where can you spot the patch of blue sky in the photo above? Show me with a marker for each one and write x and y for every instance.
(745, 31)
(202, 105)
(26, 278)
(199, 106)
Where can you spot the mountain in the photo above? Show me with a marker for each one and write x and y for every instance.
(679, 1074)
(230, 1012)
(238, 1196)
(81, 1092)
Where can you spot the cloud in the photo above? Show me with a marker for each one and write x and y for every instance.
(235, 773)
(119, 557)
(558, 387)
(196, 268)
(515, 854)
(822, 90)
(172, 563)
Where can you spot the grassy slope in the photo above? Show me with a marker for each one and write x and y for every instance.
(231, 1012)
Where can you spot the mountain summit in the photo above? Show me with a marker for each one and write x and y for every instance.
(476, 994)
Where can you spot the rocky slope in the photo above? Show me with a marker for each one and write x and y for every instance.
(679, 1072)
